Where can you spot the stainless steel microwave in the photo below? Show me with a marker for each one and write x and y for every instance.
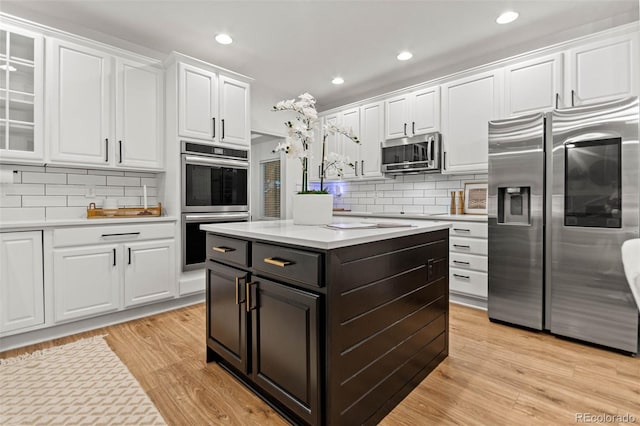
(417, 154)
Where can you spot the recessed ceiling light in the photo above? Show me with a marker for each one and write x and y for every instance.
(8, 68)
(404, 56)
(507, 17)
(224, 38)
(337, 80)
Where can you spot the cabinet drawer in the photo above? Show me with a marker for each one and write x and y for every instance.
(290, 264)
(468, 245)
(468, 261)
(228, 250)
(469, 229)
(468, 282)
(83, 235)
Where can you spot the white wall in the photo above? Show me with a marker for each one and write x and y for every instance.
(263, 119)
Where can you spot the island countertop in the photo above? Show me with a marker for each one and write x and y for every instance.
(323, 237)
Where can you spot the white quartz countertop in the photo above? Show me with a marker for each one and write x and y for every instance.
(320, 236)
(420, 216)
(41, 224)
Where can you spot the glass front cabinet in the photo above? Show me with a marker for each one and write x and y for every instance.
(21, 94)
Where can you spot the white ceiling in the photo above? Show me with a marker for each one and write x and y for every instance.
(291, 47)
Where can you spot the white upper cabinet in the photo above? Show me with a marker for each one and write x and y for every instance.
(103, 110)
(21, 281)
(212, 108)
(467, 106)
(139, 112)
(351, 122)
(234, 111)
(332, 143)
(413, 113)
(21, 94)
(534, 85)
(197, 102)
(603, 70)
(79, 109)
(371, 136)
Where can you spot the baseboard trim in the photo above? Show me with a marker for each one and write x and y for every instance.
(67, 329)
(470, 301)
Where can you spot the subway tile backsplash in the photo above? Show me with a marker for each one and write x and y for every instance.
(41, 192)
(420, 193)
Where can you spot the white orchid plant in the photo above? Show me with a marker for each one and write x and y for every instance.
(300, 137)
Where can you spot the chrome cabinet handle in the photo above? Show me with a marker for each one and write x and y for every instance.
(413, 127)
(557, 98)
(214, 127)
(122, 234)
(277, 262)
(129, 248)
(223, 249)
(106, 144)
(444, 160)
(248, 296)
(405, 129)
(460, 262)
(114, 257)
(120, 152)
(362, 167)
(461, 230)
(222, 128)
(461, 246)
(462, 276)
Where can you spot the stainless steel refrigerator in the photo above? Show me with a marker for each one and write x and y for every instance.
(562, 198)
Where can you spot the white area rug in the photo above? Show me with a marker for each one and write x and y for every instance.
(81, 383)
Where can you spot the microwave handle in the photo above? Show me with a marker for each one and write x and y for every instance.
(206, 161)
(429, 147)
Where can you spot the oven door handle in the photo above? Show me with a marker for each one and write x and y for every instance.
(218, 217)
(204, 161)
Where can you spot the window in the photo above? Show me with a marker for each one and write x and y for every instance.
(270, 171)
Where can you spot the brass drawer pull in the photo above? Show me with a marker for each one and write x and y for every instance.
(277, 262)
(223, 249)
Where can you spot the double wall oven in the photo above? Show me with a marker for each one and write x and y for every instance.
(215, 189)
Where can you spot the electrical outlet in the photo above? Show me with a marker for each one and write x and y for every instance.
(90, 191)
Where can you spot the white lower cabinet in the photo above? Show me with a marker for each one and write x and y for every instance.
(21, 281)
(86, 281)
(97, 270)
(148, 266)
(468, 259)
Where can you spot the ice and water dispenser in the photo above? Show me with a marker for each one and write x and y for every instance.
(514, 205)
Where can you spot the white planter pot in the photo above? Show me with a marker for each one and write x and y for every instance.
(312, 209)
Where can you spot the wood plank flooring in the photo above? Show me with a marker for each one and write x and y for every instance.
(494, 375)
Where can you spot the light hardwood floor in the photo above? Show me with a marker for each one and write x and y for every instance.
(494, 375)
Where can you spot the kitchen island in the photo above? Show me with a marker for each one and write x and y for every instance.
(329, 326)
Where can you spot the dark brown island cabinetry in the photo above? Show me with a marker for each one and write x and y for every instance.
(329, 337)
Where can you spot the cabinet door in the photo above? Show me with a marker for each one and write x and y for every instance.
(316, 154)
(85, 281)
(139, 109)
(603, 70)
(21, 94)
(78, 79)
(426, 111)
(397, 117)
(533, 86)
(234, 112)
(467, 106)
(350, 149)
(285, 352)
(226, 314)
(333, 144)
(21, 285)
(371, 136)
(149, 272)
(197, 103)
